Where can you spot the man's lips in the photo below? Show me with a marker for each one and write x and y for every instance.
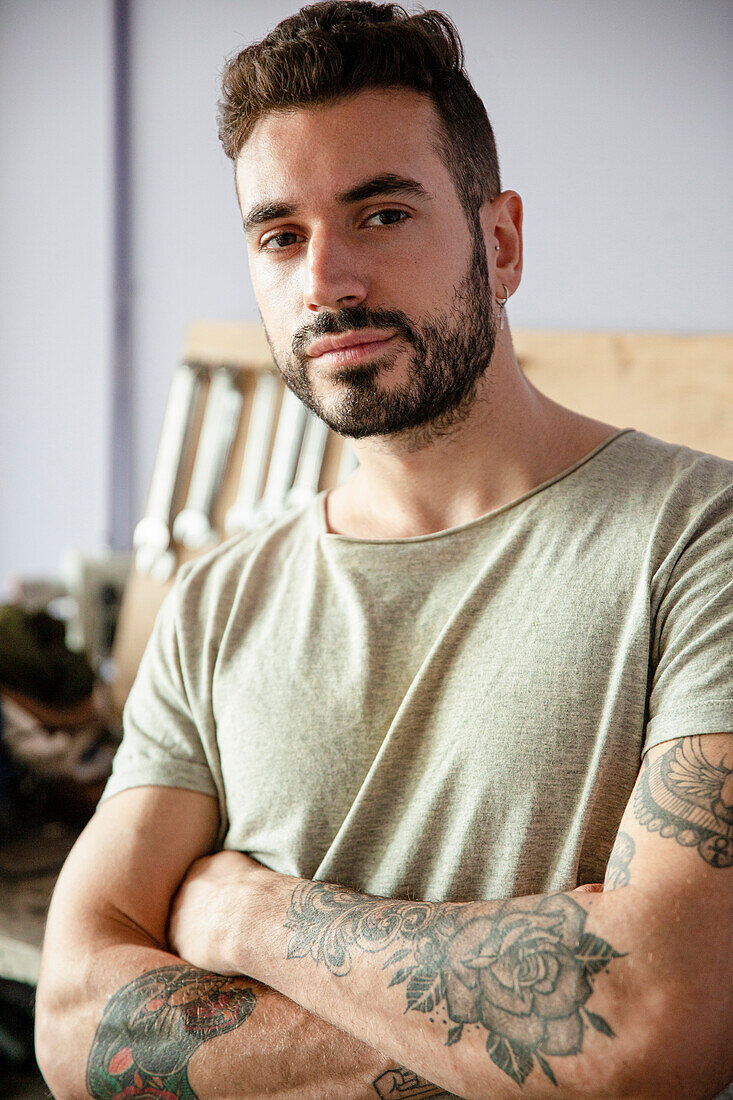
(350, 346)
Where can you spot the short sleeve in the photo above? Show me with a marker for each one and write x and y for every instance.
(692, 651)
(161, 745)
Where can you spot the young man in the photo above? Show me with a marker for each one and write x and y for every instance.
(414, 712)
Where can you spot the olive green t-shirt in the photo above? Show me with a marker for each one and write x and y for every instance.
(457, 715)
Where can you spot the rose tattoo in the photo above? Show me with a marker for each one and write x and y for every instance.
(522, 975)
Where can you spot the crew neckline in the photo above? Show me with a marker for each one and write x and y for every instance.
(333, 536)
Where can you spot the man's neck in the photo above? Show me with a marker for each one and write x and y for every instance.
(513, 439)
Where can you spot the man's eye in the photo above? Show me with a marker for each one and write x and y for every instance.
(279, 241)
(389, 217)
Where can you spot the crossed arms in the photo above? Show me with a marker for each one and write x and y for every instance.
(118, 1014)
(625, 993)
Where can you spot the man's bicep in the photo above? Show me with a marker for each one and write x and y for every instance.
(678, 825)
(672, 864)
(129, 860)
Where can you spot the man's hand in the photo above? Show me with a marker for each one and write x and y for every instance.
(210, 911)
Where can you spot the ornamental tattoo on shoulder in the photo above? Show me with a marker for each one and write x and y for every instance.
(152, 1026)
(521, 976)
(681, 794)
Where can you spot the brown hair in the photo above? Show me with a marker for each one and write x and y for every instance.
(336, 48)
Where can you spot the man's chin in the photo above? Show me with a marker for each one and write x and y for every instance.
(353, 405)
(402, 428)
(373, 424)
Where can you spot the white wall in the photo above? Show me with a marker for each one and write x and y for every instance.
(55, 252)
(611, 120)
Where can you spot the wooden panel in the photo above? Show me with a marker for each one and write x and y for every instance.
(140, 604)
(678, 388)
(224, 344)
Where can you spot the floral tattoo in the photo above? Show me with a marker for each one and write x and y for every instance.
(151, 1028)
(521, 976)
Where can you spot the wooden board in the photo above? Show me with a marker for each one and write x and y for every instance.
(227, 344)
(678, 388)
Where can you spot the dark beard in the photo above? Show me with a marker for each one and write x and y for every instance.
(451, 353)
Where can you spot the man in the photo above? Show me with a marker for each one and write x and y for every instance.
(414, 712)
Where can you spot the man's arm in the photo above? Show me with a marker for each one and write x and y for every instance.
(119, 1014)
(625, 993)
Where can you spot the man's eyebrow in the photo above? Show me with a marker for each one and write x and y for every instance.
(386, 184)
(267, 212)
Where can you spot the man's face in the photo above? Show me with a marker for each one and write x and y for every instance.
(372, 286)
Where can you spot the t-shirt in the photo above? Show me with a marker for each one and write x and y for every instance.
(452, 716)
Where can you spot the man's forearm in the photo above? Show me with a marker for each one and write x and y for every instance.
(152, 1021)
(561, 994)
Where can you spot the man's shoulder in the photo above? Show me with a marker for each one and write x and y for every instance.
(658, 500)
(634, 444)
(641, 467)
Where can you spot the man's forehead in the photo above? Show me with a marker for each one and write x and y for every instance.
(337, 146)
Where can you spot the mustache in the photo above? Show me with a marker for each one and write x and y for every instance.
(350, 320)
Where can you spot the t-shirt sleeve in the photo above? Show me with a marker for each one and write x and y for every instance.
(692, 654)
(161, 745)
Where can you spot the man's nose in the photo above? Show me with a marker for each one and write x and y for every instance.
(333, 279)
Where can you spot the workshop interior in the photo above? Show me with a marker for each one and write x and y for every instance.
(142, 418)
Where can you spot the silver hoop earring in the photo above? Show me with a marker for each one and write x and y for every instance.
(501, 303)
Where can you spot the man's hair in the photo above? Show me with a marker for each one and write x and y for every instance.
(337, 48)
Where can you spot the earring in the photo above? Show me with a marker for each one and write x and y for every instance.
(496, 248)
(501, 303)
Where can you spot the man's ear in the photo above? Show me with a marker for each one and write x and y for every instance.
(501, 221)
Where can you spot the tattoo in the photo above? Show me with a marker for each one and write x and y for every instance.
(681, 794)
(520, 976)
(151, 1028)
(402, 1083)
(617, 871)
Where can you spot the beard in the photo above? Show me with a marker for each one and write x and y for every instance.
(450, 353)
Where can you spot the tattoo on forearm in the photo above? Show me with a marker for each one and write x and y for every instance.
(681, 794)
(401, 1083)
(520, 976)
(151, 1028)
(617, 871)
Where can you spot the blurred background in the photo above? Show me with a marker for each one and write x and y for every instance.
(119, 227)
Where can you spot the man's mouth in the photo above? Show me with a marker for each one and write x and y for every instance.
(349, 347)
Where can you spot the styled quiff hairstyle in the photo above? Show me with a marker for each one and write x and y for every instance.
(337, 48)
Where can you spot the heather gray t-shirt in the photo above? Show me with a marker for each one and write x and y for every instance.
(457, 715)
